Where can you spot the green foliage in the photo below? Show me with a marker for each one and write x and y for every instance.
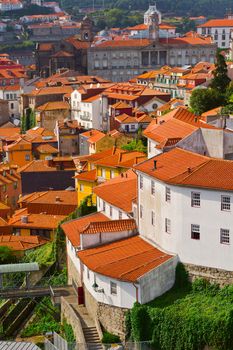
(109, 338)
(32, 119)
(67, 332)
(7, 255)
(187, 318)
(128, 325)
(221, 80)
(135, 145)
(44, 320)
(203, 100)
(44, 255)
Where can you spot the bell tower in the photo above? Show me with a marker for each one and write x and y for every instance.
(87, 29)
(153, 24)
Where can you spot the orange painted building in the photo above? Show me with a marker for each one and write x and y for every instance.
(19, 152)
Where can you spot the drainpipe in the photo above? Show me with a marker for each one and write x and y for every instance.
(136, 290)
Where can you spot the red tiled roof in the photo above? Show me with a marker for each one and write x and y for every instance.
(40, 221)
(125, 159)
(119, 191)
(74, 228)
(127, 259)
(110, 226)
(53, 106)
(180, 167)
(21, 243)
(217, 23)
(46, 148)
(87, 176)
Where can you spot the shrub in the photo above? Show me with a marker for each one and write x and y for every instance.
(109, 338)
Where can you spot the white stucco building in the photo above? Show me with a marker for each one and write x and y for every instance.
(185, 207)
(219, 29)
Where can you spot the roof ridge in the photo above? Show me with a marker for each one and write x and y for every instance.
(195, 169)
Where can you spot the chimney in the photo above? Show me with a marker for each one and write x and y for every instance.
(195, 119)
(155, 164)
(189, 170)
(57, 199)
(24, 219)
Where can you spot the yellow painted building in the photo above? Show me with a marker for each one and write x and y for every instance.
(103, 166)
(85, 182)
(19, 152)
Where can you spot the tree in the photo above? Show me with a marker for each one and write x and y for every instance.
(6, 255)
(203, 100)
(221, 80)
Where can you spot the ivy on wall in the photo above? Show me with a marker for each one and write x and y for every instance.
(188, 317)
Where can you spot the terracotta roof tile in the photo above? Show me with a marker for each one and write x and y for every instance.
(217, 23)
(110, 226)
(180, 167)
(21, 243)
(74, 228)
(46, 148)
(126, 260)
(125, 159)
(119, 191)
(53, 106)
(40, 221)
(87, 176)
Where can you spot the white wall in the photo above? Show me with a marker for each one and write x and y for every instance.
(158, 281)
(220, 31)
(72, 253)
(86, 113)
(126, 292)
(151, 148)
(115, 210)
(208, 251)
(96, 239)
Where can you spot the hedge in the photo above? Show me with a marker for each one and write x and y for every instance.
(201, 314)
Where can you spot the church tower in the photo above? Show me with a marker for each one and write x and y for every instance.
(87, 29)
(153, 25)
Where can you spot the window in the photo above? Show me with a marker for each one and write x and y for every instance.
(195, 231)
(120, 215)
(15, 185)
(113, 288)
(168, 194)
(104, 206)
(141, 211)
(81, 187)
(27, 157)
(110, 211)
(153, 218)
(88, 274)
(195, 199)
(4, 188)
(224, 236)
(167, 225)
(141, 182)
(112, 174)
(225, 203)
(149, 146)
(152, 187)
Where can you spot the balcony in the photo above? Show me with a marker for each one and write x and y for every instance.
(85, 117)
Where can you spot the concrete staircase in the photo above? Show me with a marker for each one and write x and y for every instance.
(92, 338)
(88, 326)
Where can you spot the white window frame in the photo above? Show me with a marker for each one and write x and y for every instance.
(152, 218)
(167, 225)
(141, 182)
(113, 288)
(120, 215)
(152, 188)
(225, 203)
(168, 194)
(141, 211)
(224, 236)
(195, 229)
(195, 199)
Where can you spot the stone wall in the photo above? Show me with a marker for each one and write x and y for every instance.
(68, 313)
(219, 276)
(73, 275)
(111, 318)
